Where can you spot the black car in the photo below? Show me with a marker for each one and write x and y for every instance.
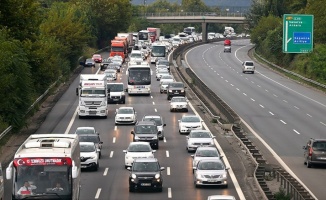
(89, 62)
(92, 138)
(176, 89)
(145, 173)
(146, 131)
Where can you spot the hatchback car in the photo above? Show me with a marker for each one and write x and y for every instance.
(92, 138)
(179, 104)
(146, 131)
(248, 66)
(105, 63)
(89, 156)
(188, 123)
(111, 74)
(89, 62)
(221, 197)
(146, 173)
(210, 172)
(97, 58)
(137, 150)
(125, 115)
(204, 153)
(159, 123)
(166, 78)
(227, 49)
(160, 73)
(86, 130)
(176, 89)
(315, 152)
(197, 138)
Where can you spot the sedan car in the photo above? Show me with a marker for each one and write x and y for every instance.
(160, 73)
(166, 78)
(137, 150)
(92, 138)
(179, 103)
(89, 62)
(197, 138)
(204, 153)
(159, 123)
(210, 172)
(163, 62)
(89, 156)
(220, 197)
(86, 130)
(125, 115)
(111, 74)
(97, 58)
(188, 123)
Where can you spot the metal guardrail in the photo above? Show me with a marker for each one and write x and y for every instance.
(211, 14)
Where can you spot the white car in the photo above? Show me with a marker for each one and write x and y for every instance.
(248, 66)
(220, 197)
(86, 131)
(166, 78)
(159, 123)
(89, 156)
(210, 172)
(137, 150)
(188, 123)
(179, 103)
(164, 86)
(199, 138)
(111, 74)
(158, 67)
(205, 153)
(125, 115)
(161, 72)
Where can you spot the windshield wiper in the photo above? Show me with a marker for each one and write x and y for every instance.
(39, 196)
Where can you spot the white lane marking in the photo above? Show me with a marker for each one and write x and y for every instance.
(283, 121)
(169, 193)
(274, 95)
(114, 138)
(261, 106)
(296, 107)
(153, 103)
(226, 81)
(285, 101)
(221, 77)
(232, 85)
(151, 97)
(296, 131)
(252, 99)
(323, 123)
(244, 94)
(168, 172)
(106, 171)
(309, 115)
(258, 86)
(97, 195)
(277, 157)
(164, 139)
(155, 110)
(167, 154)
(271, 113)
(115, 128)
(111, 154)
(238, 89)
(71, 121)
(266, 90)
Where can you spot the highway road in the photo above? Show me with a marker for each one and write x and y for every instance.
(282, 112)
(111, 181)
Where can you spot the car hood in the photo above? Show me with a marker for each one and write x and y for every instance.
(145, 135)
(116, 94)
(196, 159)
(176, 88)
(145, 174)
(124, 115)
(88, 154)
(191, 124)
(200, 140)
(210, 172)
(139, 154)
(178, 103)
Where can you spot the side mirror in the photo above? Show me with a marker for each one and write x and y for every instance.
(187, 137)
(162, 168)
(129, 168)
(164, 124)
(74, 171)
(304, 147)
(126, 90)
(192, 156)
(153, 151)
(9, 171)
(124, 151)
(101, 142)
(227, 168)
(213, 136)
(132, 132)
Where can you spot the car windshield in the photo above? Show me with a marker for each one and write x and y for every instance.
(190, 119)
(87, 148)
(89, 138)
(146, 129)
(163, 62)
(139, 148)
(178, 99)
(207, 153)
(115, 87)
(179, 85)
(145, 167)
(157, 120)
(89, 60)
(319, 146)
(210, 166)
(166, 77)
(199, 135)
(125, 111)
(85, 131)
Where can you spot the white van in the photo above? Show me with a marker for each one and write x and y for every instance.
(1, 184)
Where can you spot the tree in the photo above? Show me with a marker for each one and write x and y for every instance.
(194, 6)
(317, 8)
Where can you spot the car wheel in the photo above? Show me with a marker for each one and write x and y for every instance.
(157, 145)
(100, 155)
(160, 189)
(180, 132)
(80, 117)
(226, 186)
(131, 189)
(186, 110)
(161, 91)
(253, 72)
(97, 166)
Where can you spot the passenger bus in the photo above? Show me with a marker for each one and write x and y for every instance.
(144, 37)
(42, 162)
(158, 52)
(139, 79)
(189, 30)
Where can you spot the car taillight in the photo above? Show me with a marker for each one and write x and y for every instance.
(310, 151)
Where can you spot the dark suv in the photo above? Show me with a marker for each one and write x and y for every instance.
(175, 89)
(146, 131)
(315, 152)
(145, 173)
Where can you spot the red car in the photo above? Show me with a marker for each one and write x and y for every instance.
(227, 42)
(97, 58)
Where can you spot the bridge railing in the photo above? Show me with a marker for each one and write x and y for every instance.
(208, 14)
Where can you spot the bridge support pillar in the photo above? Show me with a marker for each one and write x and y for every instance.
(204, 31)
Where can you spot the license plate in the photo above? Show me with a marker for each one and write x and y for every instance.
(321, 158)
(83, 166)
(211, 180)
(145, 184)
(176, 93)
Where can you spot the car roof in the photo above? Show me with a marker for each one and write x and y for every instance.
(145, 160)
(86, 127)
(125, 107)
(193, 131)
(206, 148)
(87, 143)
(190, 116)
(146, 123)
(212, 160)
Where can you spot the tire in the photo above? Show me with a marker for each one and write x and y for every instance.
(131, 189)
(253, 72)
(160, 189)
(100, 155)
(225, 186)
(80, 117)
(97, 166)
(186, 110)
(157, 145)
(161, 91)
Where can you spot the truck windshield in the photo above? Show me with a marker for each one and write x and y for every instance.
(117, 49)
(92, 92)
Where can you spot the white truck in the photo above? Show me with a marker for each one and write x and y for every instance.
(92, 92)
(116, 93)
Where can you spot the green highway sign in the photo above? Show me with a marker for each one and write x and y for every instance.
(298, 33)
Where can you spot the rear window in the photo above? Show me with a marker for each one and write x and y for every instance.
(249, 63)
(319, 146)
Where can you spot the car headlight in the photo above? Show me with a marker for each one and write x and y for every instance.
(182, 90)
(224, 175)
(170, 90)
(155, 137)
(137, 137)
(157, 176)
(133, 176)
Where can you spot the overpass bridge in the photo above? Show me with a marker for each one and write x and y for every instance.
(204, 18)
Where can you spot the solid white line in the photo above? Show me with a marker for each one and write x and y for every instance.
(106, 171)
(111, 154)
(114, 138)
(167, 154)
(98, 193)
(168, 171)
(71, 121)
(169, 193)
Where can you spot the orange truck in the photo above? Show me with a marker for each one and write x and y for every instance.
(125, 41)
(118, 47)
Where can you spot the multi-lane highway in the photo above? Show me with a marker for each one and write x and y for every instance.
(282, 112)
(111, 180)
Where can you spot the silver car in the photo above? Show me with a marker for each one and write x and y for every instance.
(197, 138)
(210, 172)
(159, 123)
(205, 153)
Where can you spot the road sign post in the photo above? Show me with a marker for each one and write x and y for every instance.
(298, 33)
